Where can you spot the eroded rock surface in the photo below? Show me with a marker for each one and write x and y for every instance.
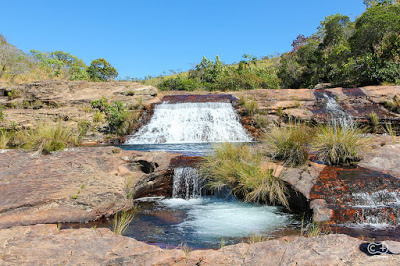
(78, 184)
(45, 245)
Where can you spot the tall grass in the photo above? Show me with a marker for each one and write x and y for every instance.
(249, 106)
(239, 168)
(373, 121)
(290, 143)
(48, 138)
(122, 221)
(338, 145)
(4, 138)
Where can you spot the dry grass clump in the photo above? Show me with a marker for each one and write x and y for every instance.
(290, 143)
(5, 138)
(249, 106)
(338, 145)
(48, 138)
(240, 169)
(122, 221)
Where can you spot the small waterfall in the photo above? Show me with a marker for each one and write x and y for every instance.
(380, 208)
(192, 123)
(338, 116)
(186, 183)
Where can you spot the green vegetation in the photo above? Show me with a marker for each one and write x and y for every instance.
(255, 238)
(241, 169)
(47, 138)
(373, 121)
(17, 66)
(393, 105)
(249, 106)
(339, 145)
(343, 52)
(120, 121)
(122, 221)
(290, 143)
(101, 70)
(5, 138)
(216, 76)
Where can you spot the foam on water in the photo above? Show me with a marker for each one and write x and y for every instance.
(215, 219)
(191, 123)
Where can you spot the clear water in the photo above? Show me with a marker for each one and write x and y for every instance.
(188, 149)
(205, 222)
(175, 123)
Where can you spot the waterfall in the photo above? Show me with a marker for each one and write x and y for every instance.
(186, 183)
(379, 208)
(191, 123)
(338, 116)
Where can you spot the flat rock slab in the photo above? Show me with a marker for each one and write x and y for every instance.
(75, 185)
(45, 245)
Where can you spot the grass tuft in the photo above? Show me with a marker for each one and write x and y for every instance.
(338, 145)
(241, 169)
(122, 221)
(47, 138)
(289, 144)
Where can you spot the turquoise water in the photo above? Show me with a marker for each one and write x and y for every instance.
(206, 222)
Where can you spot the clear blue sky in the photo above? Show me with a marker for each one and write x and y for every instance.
(148, 37)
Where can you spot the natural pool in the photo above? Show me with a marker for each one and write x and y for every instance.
(207, 222)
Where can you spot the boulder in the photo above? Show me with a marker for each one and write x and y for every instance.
(46, 245)
(76, 185)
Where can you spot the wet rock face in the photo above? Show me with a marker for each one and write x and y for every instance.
(76, 185)
(45, 245)
(356, 195)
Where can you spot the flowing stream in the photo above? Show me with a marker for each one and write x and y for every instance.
(189, 217)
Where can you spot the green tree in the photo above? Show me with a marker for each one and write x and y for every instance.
(101, 70)
(75, 67)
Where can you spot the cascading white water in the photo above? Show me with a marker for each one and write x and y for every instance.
(372, 207)
(191, 123)
(338, 116)
(186, 183)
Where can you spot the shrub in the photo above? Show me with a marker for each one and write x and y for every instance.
(338, 145)
(122, 221)
(289, 144)
(46, 138)
(120, 121)
(239, 168)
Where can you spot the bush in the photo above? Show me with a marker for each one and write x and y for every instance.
(46, 138)
(239, 168)
(289, 144)
(120, 121)
(337, 145)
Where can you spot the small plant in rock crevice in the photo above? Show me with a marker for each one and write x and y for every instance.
(122, 220)
(373, 121)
